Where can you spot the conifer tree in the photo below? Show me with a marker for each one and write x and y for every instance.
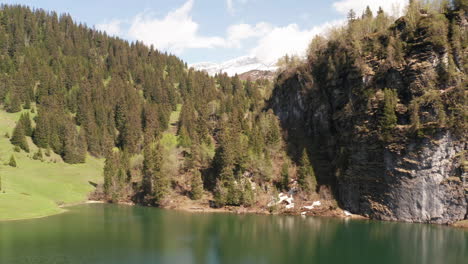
(41, 133)
(306, 176)
(110, 171)
(248, 196)
(148, 170)
(14, 104)
(25, 119)
(38, 155)
(380, 11)
(389, 119)
(27, 104)
(155, 183)
(74, 150)
(160, 180)
(285, 176)
(368, 13)
(12, 162)
(220, 193)
(234, 193)
(184, 138)
(351, 15)
(196, 192)
(18, 138)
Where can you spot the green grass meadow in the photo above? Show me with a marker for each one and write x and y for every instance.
(37, 188)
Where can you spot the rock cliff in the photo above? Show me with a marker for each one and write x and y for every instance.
(411, 170)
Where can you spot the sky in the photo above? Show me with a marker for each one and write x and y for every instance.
(215, 30)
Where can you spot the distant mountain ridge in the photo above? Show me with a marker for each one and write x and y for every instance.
(235, 66)
(254, 75)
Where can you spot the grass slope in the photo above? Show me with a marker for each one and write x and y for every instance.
(35, 188)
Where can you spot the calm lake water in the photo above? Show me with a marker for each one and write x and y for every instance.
(113, 234)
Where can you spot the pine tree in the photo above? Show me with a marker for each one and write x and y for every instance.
(42, 132)
(184, 138)
(48, 152)
(74, 150)
(155, 182)
(25, 119)
(285, 176)
(18, 138)
(27, 104)
(248, 196)
(389, 119)
(220, 193)
(12, 162)
(368, 13)
(196, 192)
(380, 11)
(306, 176)
(110, 171)
(351, 15)
(148, 167)
(38, 155)
(234, 193)
(14, 104)
(160, 180)
(273, 134)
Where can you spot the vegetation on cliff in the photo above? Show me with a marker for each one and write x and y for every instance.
(373, 102)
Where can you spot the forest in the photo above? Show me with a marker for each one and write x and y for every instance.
(113, 99)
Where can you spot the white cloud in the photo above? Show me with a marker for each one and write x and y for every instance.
(175, 33)
(275, 42)
(237, 33)
(112, 28)
(393, 7)
(289, 40)
(230, 5)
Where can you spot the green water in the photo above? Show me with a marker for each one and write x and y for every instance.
(112, 234)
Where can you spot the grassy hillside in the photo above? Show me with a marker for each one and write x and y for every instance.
(36, 188)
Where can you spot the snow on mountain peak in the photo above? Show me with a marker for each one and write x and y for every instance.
(235, 66)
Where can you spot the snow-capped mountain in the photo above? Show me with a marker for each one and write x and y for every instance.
(236, 66)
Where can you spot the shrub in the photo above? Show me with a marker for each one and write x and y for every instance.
(38, 155)
(388, 120)
(12, 162)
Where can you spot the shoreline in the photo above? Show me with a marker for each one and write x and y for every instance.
(201, 209)
(61, 207)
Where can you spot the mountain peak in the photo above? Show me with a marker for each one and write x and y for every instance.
(235, 66)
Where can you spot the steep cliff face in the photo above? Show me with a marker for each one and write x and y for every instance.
(411, 170)
(418, 183)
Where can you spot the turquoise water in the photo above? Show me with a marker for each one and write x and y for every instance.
(114, 234)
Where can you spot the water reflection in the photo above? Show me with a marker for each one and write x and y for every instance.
(120, 234)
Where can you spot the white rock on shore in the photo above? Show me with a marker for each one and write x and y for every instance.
(283, 198)
(314, 204)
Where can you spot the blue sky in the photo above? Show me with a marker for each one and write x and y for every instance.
(214, 30)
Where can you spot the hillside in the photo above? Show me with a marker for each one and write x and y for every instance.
(164, 130)
(37, 188)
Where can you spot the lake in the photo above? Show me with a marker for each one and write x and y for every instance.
(117, 234)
